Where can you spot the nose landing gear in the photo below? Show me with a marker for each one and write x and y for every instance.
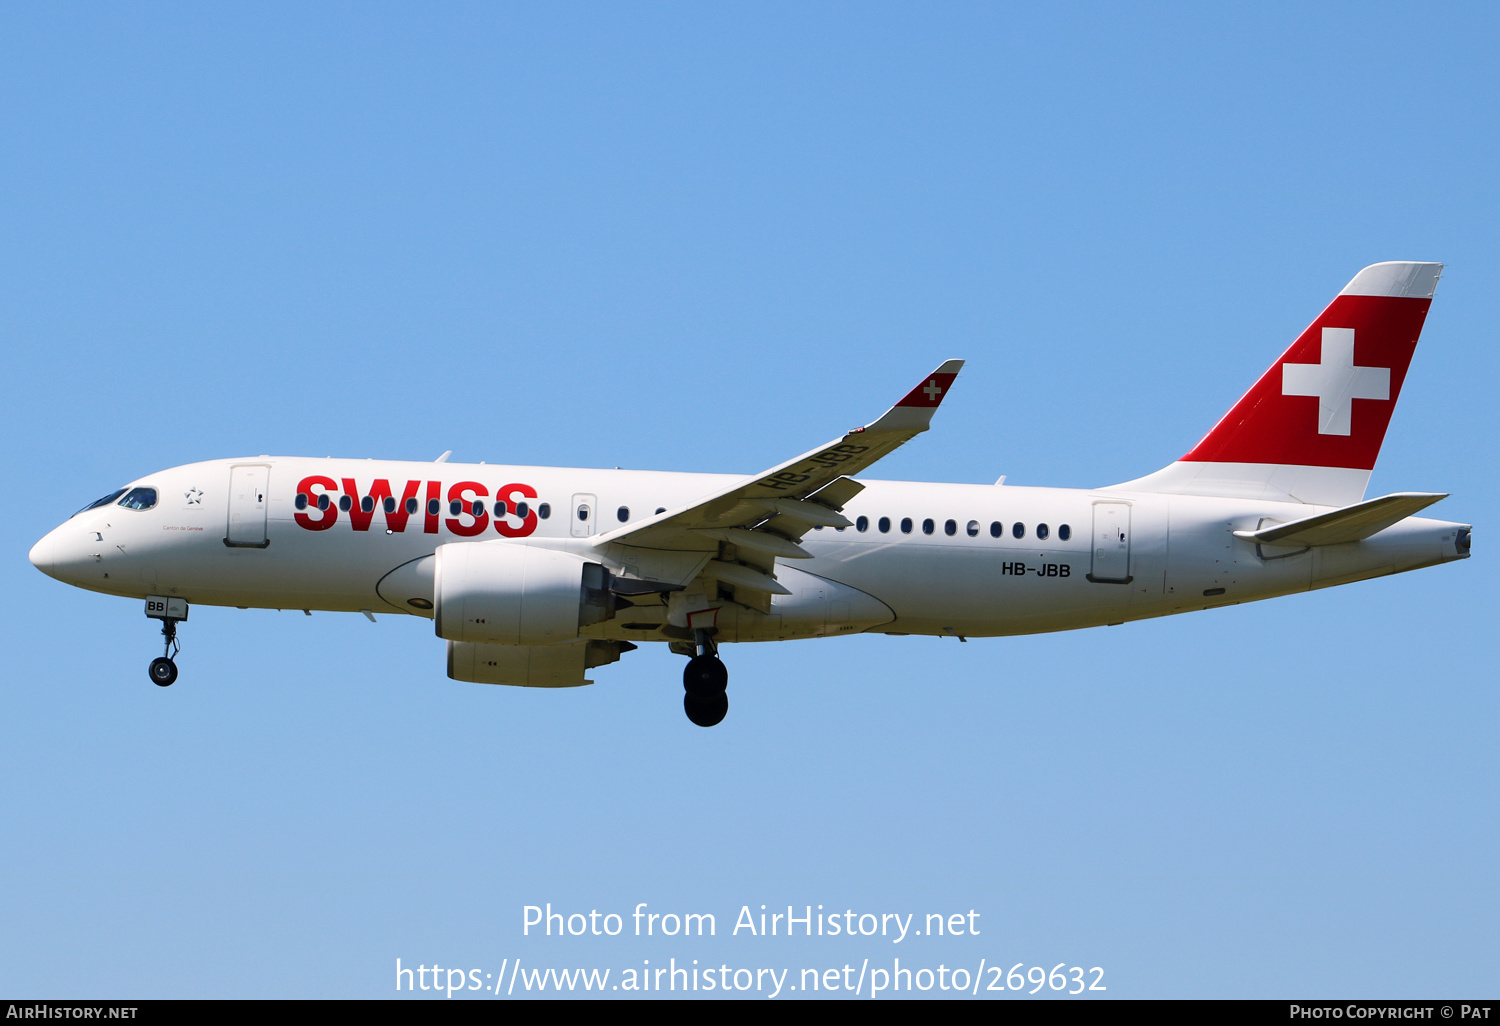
(705, 680)
(170, 611)
(162, 670)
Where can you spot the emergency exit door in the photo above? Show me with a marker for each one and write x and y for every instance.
(585, 513)
(247, 506)
(1111, 564)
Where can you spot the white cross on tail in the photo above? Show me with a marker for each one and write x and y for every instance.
(932, 389)
(1336, 381)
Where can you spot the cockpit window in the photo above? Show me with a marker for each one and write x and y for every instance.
(139, 498)
(111, 497)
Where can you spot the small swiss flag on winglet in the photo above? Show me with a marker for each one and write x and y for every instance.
(930, 392)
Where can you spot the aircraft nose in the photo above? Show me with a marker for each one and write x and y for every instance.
(41, 553)
(64, 556)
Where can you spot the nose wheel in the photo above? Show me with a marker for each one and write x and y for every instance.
(163, 671)
(705, 681)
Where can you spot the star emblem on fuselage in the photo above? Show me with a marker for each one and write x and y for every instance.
(193, 496)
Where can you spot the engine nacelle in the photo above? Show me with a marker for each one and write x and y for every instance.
(531, 666)
(511, 593)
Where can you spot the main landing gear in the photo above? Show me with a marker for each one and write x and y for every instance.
(163, 671)
(705, 680)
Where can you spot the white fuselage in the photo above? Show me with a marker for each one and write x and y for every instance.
(1109, 555)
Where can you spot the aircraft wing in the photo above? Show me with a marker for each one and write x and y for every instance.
(762, 517)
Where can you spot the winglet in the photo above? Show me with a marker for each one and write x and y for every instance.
(914, 412)
(929, 394)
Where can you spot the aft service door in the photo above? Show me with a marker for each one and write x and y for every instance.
(247, 506)
(1111, 543)
(584, 513)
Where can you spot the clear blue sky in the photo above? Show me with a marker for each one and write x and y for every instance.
(696, 237)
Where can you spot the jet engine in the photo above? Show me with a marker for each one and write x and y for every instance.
(510, 593)
(531, 666)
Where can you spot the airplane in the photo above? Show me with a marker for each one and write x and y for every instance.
(534, 575)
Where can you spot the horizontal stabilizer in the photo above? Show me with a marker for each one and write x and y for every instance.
(1351, 523)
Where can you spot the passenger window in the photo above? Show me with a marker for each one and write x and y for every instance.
(455, 507)
(300, 502)
(139, 498)
(622, 514)
(1064, 532)
(522, 509)
(885, 525)
(950, 528)
(367, 504)
(389, 504)
(434, 507)
(862, 524)
(928, 526)
(906, 525)
(412, 506)
(323, 501)
(1042, 531)
(346, 503)
(996, 529)
(544, 510)
(973, 529)
(1018, 531)
(478, 508)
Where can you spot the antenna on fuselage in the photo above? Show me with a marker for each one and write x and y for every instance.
(444, 457)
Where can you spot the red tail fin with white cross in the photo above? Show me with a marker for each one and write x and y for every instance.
(1310, 429)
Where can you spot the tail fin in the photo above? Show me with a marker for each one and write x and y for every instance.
(1310, 429)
